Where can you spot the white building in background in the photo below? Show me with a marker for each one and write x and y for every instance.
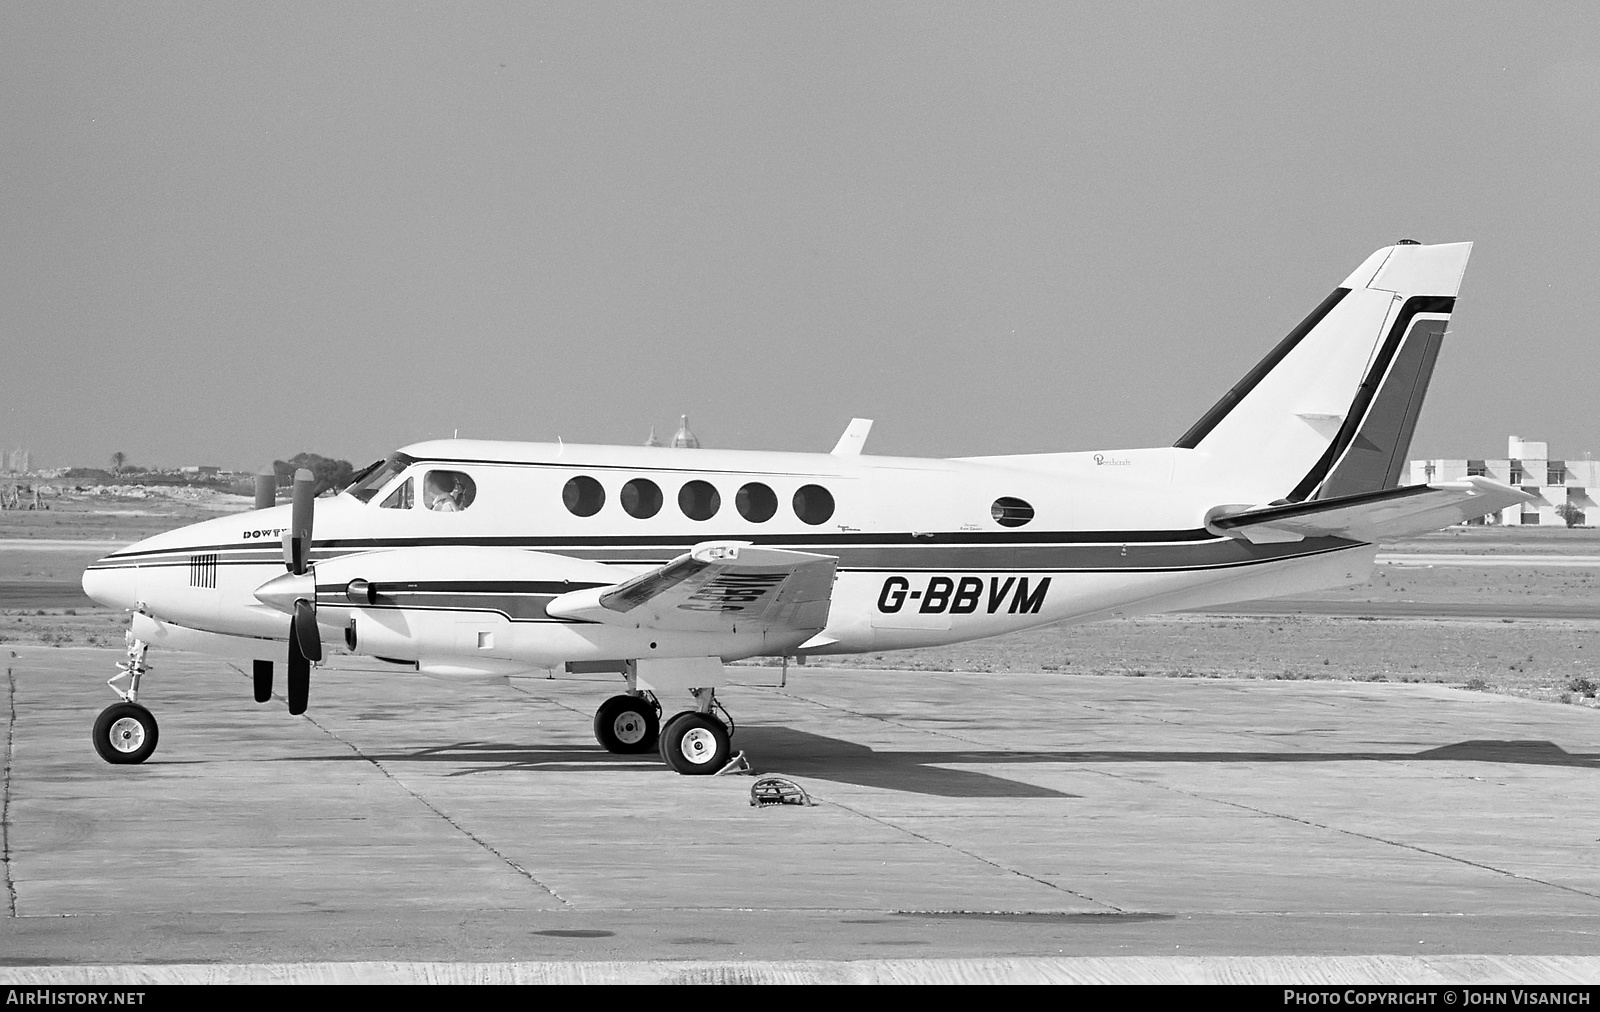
(1555, 483)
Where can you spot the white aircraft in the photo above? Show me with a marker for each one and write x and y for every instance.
(470, 559)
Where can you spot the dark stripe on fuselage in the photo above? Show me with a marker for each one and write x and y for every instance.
(794, 540)
(527, 601)
(1207, 552)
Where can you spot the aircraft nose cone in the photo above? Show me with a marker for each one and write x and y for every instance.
(281, 592)
(111, 584)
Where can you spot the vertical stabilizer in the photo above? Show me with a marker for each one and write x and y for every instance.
(1331, 410)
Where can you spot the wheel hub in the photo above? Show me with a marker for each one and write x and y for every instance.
(629, 728)
(127, 735)
(699, 746)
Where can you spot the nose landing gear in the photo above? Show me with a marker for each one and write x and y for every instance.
(126, 732)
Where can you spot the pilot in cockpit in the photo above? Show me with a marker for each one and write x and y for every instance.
(444, 491)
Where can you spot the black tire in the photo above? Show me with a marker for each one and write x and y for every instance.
(627, 725)
(695, 744)
(125, 733)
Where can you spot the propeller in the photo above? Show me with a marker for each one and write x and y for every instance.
(296, 594)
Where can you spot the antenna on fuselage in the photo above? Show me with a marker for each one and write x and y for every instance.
(854, 438)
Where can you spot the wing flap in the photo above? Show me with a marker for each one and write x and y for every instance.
(719, 586)
(1373, 516)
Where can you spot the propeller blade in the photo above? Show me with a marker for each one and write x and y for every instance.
(294, 553)
(303, 630)
(299, 678)
(262, 673)
(266, 489)
(297, 540)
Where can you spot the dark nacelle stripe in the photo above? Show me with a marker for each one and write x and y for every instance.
(1219, 411)
(1357, 414)
(519, 601)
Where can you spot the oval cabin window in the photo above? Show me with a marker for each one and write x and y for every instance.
(756, 502)
(641, 498)
(583, 496)
(699, 500)
(813, 504)
(1009, 511)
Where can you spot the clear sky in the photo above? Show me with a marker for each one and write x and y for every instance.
(232, 232)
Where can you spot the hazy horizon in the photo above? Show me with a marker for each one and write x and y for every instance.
(234, 233)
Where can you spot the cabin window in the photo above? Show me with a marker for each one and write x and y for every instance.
(399, 499)
(641, 498)
(813, 504)
(756, 502)
(1009, 511)
(699, 500)
(583, 496)
(449, 491)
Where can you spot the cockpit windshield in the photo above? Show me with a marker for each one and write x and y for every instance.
(366, 484)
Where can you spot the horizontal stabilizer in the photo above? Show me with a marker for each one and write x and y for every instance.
(719, 586)
(1373, 516)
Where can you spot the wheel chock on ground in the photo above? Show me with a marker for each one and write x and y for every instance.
(778, 791)
(738, 764)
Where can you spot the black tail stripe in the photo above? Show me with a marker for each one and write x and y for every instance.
(1220, 410)
(1368, 389)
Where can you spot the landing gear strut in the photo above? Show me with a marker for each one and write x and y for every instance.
(126, 732)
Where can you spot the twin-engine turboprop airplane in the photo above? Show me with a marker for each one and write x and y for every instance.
(470, 559)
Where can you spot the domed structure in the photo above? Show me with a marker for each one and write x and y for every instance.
(683, 437)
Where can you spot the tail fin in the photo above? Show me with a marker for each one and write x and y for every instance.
(1331, 410)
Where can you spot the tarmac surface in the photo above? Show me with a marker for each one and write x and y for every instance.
(1118, 822)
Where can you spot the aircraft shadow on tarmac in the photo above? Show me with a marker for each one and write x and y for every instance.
(777, 749)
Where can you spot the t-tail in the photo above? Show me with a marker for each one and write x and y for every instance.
(1330, 412)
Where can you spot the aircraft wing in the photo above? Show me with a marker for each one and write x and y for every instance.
(719, 586)
(1373, 516)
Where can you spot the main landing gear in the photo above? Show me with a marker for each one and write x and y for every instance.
(628, 725)
(126, 732)
(697, 742)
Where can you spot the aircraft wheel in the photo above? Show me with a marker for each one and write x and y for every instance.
(695, 744)
(627, 725)
(125, 733)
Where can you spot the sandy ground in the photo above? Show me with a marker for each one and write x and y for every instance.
(1541, 658)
